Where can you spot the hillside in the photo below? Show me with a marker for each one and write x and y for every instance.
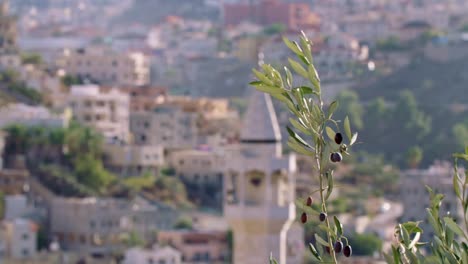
(151, 12)
(422, 105)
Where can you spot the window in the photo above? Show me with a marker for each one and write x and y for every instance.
(92, 224)
(25, 236)
(150, 261)
(162, 261)
(143, 138)
(25, 252)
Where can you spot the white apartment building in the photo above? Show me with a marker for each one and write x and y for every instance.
(155, 255)
(15, 206)
(167, 126)
(107, 112)
(105, 66)
(21, 238)
(32, 116)
(415, 197)
(132, 160)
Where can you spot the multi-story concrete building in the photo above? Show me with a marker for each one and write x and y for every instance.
(32, 116)
(259, 189)
(198, 247)
(155, 255)
(8, 38)
(415, 197)
(21, 238)
(107, 112)
(98, 225)
(200, 170)
(167, 126)
(131, 160)
(105, 66)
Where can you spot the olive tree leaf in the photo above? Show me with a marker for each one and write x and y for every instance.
(293, 46)
(272, 260)
(314, 252)
(347, 128)
(320, 240)
(299, 126)
(453, 226)
(300, 149)
(330, 133)
(289, 77)
(297, 137)
(353, 139)
(339, 226)
(297, 67)
(332, 108)
(330, 185)
(262, 77)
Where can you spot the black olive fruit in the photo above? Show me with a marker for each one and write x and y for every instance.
(322, 217)
(338, 138)
(327, 249)
(347, 251)
(336, 157)
(338, 246)
(304, 218)
(309, 201)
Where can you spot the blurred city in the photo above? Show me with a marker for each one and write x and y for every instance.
(129, 132)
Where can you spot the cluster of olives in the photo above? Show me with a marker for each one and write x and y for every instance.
(337, 156)
(338, 247)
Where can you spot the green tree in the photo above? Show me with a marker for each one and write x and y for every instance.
(90, 172)
(365, 244)
(274, 29)
(414, 156)
(184, 223)
(460, 132)
(350, 105)
(31, 58)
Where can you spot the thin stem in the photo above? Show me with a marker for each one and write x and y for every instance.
(319, 156)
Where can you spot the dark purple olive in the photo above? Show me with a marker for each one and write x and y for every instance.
(304, 218)
(338, 246)
(338, 138)
(348, 251)
(322, 217)
(309, 201)
(327, 249)
(336, 157)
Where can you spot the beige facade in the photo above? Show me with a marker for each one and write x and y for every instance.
(106, 66)
(200, 247)
(131, 160)
(415, 197)
(169, 126)
(107, 112)
(198, 166)
(21, 239)
(155, 255)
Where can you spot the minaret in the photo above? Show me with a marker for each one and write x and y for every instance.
(259, 187)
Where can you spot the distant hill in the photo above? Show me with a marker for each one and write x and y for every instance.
(151, 12)
(440, 91)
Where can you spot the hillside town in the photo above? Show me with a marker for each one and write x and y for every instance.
(129, 133)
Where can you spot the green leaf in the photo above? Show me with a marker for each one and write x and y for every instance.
(415, 240)
(297, 137)
(320, 240)
(303, 59)
(330, 185)
(353, 139)
(388, 258)
(299, 149)
(435, 225)
(293, 46)
(347, 128)
(269, 89)
(332, 108)
(298, 68)
(453, 226)
(456, 186)
(298, 126)
(289, 77)
(330, 133)
(404, 234)
(412, 227)
(306, 47)
(311, 72)
(396, 255)
(307, 90)
(314, 252)
(339, 226)
(256, 83)
(272, 260)
(262, 77)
